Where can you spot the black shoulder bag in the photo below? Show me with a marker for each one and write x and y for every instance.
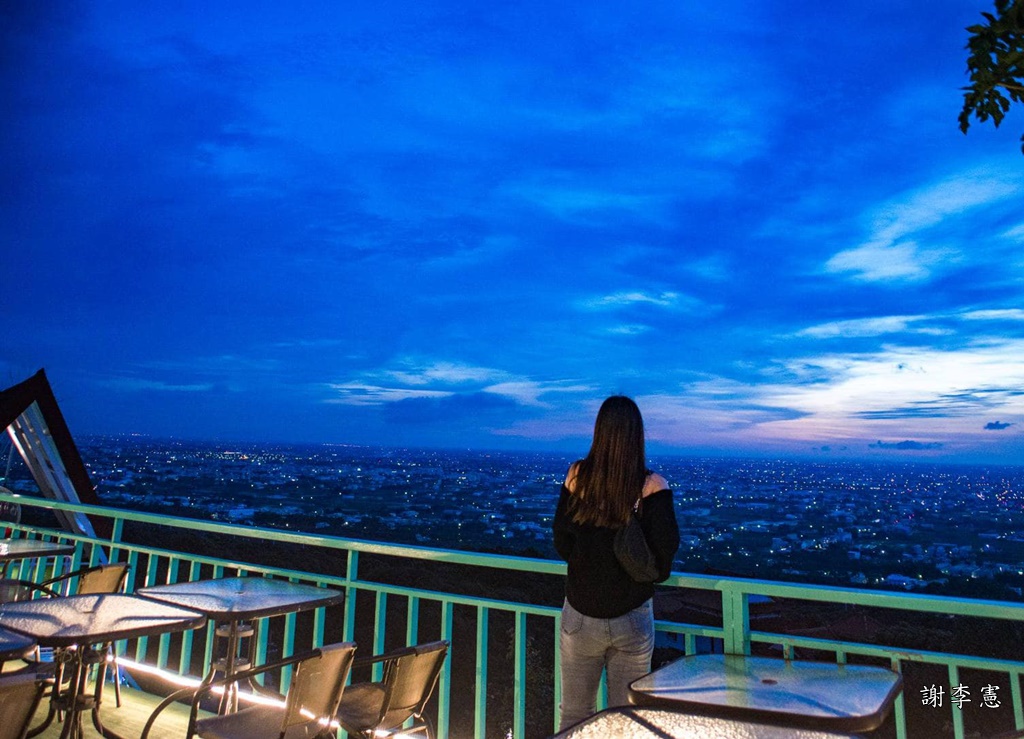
(633, 551)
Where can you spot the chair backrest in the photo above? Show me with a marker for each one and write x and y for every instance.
(316, 687)
(19, 697)
(409, 680)
(102, 579)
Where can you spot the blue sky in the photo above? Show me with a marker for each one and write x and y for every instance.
(464, 224)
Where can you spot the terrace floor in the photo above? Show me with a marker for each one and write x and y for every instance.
(127, 720)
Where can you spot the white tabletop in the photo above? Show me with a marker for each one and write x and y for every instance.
(90, 619)
(235, 598)
(636, 722)
(794, 693)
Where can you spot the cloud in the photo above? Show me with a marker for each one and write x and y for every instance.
(528, 392)
(442, 372)
(931, 205)
(862, 327)
(893, 251)
(138, 385)
(628, 329)
(982, 375)
(911, 324)
(444, 410)
(882, 262)
(354, 393)
(903, 446)
(997, 426)
(1015, 234)
(1006, 314)
(665, 299)
(439, 380)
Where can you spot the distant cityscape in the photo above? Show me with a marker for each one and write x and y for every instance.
(955, 530)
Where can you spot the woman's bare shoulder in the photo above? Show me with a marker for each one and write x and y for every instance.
(654, 483)
(570, 477)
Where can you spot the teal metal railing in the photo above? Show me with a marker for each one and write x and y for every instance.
(533, 634)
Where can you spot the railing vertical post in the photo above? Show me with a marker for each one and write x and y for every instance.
(287, 648)
(380, 615)
(519, 701)
(412, 621)
(185, 659)
(445, 681)
(115, 537)
(558, 668)
(1018, 704)
(958, 715)
(351, 575)
(689, 644)
(133, 566)
(165, 639)
(480, 709)
(736, 621)
(149, 579)
(319, 620)
(899, 708)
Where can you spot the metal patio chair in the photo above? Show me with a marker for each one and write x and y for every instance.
(410, 675)
(19, 698)
(307, 710)
(109, 578)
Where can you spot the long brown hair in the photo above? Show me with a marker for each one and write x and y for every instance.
(611, 477)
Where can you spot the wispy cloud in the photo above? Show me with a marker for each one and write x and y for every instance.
(1015, 234)
(863, 327)
(130, 384)
(529, 392)
(913, 386)
(355, 393)
(444, 379)
(882, 261)
(450, 373)
(999, 314)
(628, 329)
(627, 298)
(893, 252)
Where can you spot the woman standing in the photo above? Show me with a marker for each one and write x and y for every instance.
(607, 618)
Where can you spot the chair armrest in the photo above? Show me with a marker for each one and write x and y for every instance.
(196, 694)
(384, 657)
(62, 578)
(39, 587)
(371, 660)
(259, 669)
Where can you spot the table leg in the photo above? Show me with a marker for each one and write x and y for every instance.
(60, 658)
(232, 662)
(71, 702)
(101, 678)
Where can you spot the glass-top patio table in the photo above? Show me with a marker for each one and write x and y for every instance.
(235, 601)
(72, 624)
(819, 695)
(13, 646)
(12, 550)
(637, 722)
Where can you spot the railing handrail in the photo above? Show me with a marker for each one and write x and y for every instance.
(950, 605)
(735, 631)
(480, 559)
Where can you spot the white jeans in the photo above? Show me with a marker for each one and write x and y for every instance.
(588, 645)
